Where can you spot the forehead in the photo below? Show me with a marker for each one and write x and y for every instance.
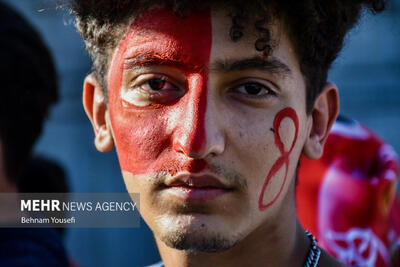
(159, 32)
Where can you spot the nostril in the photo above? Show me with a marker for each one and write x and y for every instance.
(188, 149)
(190, 142)
(177, 146)
(195, 145)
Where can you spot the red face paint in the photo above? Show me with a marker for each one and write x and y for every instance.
(283, 158)
(163, 137)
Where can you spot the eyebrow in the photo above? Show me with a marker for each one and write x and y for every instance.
(255, 63)
(153, 59)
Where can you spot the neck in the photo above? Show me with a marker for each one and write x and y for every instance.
(281, 243)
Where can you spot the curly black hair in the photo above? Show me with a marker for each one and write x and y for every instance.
(29, 86)
(316, 28)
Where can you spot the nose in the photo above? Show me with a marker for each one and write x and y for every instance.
(198, 134)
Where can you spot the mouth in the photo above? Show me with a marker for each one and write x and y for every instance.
(196, 187)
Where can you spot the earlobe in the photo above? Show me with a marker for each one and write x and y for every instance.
(96, 110)
(323, 115)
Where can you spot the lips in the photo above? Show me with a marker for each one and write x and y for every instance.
(196, 187)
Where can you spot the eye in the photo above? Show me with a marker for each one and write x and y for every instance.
(254, 89)
(148, 90)
(157, 84)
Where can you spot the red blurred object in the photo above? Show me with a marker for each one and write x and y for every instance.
(348, 199)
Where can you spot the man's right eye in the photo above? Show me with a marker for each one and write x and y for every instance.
(157, 84)
(149, 90)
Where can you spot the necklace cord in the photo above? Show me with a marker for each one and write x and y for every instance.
(314, 252)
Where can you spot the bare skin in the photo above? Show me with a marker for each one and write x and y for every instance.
(239, 130)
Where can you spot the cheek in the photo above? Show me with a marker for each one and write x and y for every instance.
(140, 139)
(285, 128)
(286, 134)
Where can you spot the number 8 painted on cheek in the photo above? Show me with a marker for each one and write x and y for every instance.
(283, 158)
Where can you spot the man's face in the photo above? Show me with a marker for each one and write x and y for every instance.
(207, 130)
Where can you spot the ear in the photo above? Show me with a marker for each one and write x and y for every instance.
(96, 109)
(323, 115)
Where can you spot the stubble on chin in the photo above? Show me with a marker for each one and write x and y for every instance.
(178, 224)
(184, 233)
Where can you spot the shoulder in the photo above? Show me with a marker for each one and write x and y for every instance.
(326, 260)
(158, 264)
(31, 247)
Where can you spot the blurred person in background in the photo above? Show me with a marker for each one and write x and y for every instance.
(348, 199)
(28, 89)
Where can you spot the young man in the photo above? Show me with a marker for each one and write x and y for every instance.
(210, 105)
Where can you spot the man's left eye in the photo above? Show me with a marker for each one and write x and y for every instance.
(254, 89)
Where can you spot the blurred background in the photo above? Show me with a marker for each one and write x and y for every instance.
(367, 74)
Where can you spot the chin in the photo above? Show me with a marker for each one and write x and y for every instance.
(195, 233)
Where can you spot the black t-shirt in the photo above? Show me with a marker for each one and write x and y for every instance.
(23, 247)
